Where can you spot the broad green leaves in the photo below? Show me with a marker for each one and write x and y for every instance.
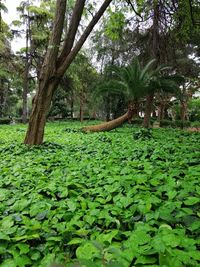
(104, 199)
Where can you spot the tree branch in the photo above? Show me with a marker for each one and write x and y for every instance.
(132, 6)
(73, 27)
(67, 61)
(53, 47)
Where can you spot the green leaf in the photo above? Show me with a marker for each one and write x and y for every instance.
(4, 194)
(87, 251)
(4, 236)
(192, 201)
(24, 248)
(75, 241)
(22, 261)
(8, 263)
(71, 205)
(26, 237)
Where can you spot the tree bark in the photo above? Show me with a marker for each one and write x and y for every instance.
(110, 125)
(161, 109)
(183, 110)
(70, 57)
(148, 109)
(41, 105)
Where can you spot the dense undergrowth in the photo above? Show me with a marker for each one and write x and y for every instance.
(123, 198)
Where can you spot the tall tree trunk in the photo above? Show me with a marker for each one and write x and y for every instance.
(156, 52)
(148, 109)
(161, 109)
(110, 125)
(37, 121)
(183, 112)
(136, 107)
(72, 107)
(1, 97)
(57, 61)
(81, 112)
(26, 72)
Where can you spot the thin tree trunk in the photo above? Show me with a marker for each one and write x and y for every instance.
(148, 109)
(183, 112)
(72, 108)
(26, 73)
(1, 97)
(161, 111)
(81, 112)
(25, 93)
(110, 125)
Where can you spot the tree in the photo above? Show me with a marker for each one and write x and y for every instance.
(4, 9)
(36, 25)
(58, 58)
(134, 82)
(6, 65)
(83, 84)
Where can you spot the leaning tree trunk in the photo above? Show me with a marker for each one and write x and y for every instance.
(37, 121)
(110, 125)
(148, 108)
(57, 60)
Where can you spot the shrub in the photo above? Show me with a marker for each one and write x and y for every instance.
(167, 123)
(195, 124)
(174, 124)
(143, 134)
(5, 120)
(137, 121)
(182, 124)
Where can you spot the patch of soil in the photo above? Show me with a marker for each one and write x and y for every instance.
(194, 129)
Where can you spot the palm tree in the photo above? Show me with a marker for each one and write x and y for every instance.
(133, 81)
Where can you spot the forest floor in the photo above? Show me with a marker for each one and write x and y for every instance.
(122, 198)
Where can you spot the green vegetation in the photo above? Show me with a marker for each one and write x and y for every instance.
(129, 197)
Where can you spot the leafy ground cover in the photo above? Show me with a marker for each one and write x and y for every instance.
(123, 198)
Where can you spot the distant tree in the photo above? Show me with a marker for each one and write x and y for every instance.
(35, 21)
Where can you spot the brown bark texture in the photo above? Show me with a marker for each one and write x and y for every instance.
(110, 125)
(107, 126)
(183, 110)
(148, 109)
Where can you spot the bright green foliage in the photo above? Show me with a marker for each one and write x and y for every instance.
(115, 24)
(103, 199)
(194, 109)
